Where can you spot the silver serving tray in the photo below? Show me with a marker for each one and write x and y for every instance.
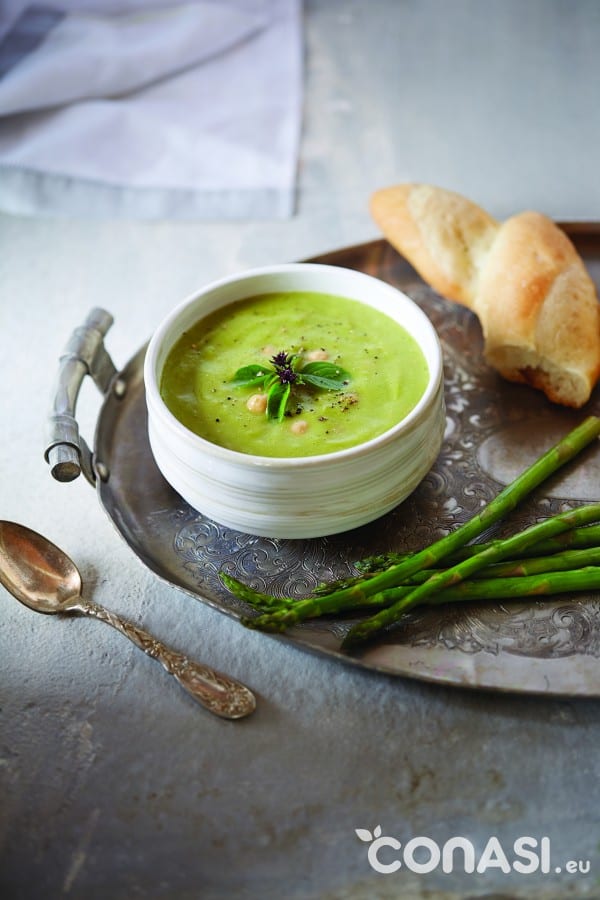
(494, 429)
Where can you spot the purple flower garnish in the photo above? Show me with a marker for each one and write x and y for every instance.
(283, 364)
(282, 360)
(287, 376)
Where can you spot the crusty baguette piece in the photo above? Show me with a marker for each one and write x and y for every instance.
(536, 303)
(443, 235)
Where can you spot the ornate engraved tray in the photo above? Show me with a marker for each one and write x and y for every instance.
(494, 429)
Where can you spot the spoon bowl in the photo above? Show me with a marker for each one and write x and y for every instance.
(36, 572)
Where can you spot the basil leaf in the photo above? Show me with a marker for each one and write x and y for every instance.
(325, 375)
(277, 399)
(271, 379)
(249, 375)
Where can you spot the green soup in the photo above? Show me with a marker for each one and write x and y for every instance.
(388, 374)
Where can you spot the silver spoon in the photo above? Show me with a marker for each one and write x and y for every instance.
(42, 577)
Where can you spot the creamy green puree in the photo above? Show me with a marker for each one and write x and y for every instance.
(388, 372)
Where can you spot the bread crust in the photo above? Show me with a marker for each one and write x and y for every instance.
(536, 302)
(539, 312)
(442, 234)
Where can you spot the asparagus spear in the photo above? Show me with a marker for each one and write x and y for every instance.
(491, 583)
(459, 572)
(537, 586)
(530, 565)
(256, 599)
(500, 506)
(576, 539)
(533, 565)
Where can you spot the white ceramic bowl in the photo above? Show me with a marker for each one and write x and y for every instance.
(305, 496)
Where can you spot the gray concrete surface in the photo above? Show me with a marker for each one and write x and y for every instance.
(113, 784)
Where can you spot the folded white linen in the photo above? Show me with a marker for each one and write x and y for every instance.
(189, 110)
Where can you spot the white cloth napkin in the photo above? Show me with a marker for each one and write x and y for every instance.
(190, 110)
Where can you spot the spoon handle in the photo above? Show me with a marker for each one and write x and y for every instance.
(218, 693)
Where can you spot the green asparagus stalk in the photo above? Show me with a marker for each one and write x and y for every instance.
(530, 565)
(514, 587)
(576, 539)
(537, 586)
(534, 565)
(494, 588)
(567, 448)
(455, 574)
(256, 599)
(516, 571)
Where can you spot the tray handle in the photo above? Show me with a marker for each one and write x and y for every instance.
(66, 452)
